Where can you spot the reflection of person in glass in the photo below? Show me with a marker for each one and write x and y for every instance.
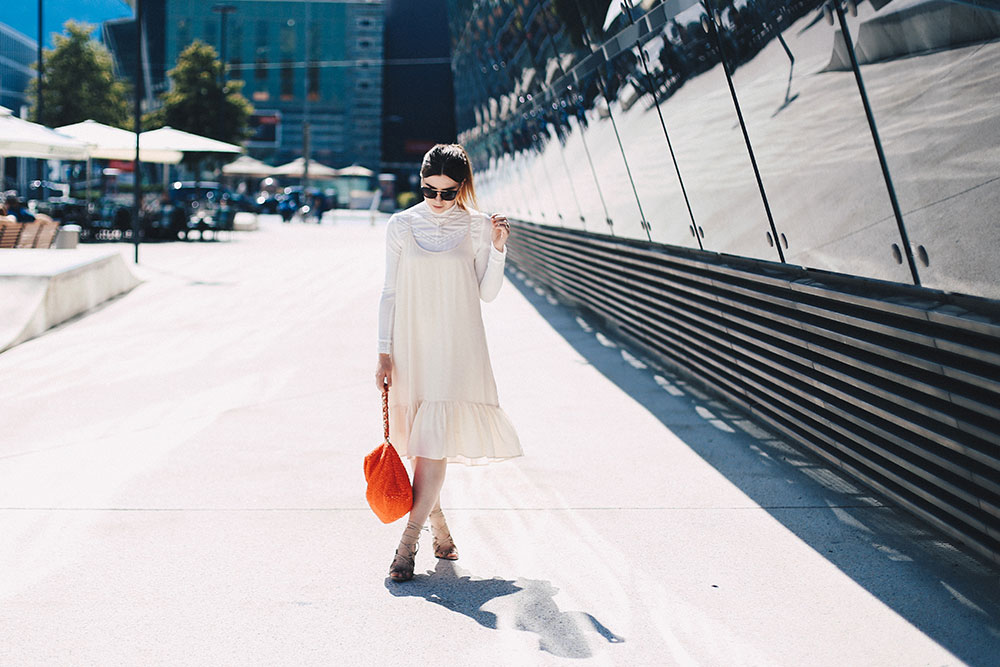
(442, 258)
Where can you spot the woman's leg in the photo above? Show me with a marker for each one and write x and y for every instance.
(444, 545)
(428, 478)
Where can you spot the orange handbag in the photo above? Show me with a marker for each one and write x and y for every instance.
(389, 492)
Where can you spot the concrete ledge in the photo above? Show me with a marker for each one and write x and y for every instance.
(910, 27)
(40, 289)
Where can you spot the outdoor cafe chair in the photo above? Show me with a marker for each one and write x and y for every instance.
(29, 232)
(47, 234)
(10, 230)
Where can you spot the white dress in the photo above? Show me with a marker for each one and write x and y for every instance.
(443, 402)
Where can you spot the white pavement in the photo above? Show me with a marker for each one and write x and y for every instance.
(181, 484)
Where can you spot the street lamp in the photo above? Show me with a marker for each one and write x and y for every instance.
(224, 11)
(39, 106)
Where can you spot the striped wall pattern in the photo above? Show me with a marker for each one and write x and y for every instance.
(896, 385)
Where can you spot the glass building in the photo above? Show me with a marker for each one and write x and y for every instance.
(741, 127)
(317, 62)
(18, 54)
(119, 37)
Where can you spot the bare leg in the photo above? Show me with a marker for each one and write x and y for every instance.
(428, 478)
(444, 545)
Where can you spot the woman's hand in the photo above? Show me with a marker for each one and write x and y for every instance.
(501, 230)
(383, 373)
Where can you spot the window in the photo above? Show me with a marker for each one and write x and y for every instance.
(313, 36)
(287, 81)
(288, 39)
(313, 83)
(235, 55)
(183, 34)
(211, 33)
(260, 53)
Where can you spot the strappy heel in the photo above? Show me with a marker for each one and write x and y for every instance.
(403, 562)
(444, 545)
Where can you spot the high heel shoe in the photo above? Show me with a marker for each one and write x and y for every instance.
(402, 565)
(444, 545)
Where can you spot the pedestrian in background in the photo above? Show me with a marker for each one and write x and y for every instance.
(442, 258)
(16, 208)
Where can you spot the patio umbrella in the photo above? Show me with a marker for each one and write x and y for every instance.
(178, 140)
(245, 165)
(112, 143)
(22, 138)
(357, 170)
(296, 169)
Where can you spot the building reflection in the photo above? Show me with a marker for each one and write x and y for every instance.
(738, 127)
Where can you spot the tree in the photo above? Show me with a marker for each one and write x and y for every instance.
(198, 102)
(79, 82)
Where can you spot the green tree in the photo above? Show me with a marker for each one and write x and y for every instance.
(198, 102)
(79, 82)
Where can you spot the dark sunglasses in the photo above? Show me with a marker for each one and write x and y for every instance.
(446, 195)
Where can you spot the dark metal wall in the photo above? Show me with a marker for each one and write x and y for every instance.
(897, 385)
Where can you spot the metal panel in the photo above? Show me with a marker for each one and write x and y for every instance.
(897, 385)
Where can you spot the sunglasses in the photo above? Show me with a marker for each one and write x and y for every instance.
(446, 195)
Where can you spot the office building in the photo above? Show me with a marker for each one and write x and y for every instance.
(317, 63)
(18, 54)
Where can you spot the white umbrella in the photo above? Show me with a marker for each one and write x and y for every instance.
(113, 143)
(245, 165)
(22, 138)
(178, 140)
(296, 168)
(357, 170)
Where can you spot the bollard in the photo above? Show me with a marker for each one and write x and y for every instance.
(68, 237)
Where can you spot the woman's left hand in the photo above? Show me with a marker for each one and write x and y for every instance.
(501, 230)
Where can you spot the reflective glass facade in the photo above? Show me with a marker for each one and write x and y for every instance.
(18, 54)
(742, 128)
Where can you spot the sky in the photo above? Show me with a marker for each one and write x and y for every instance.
(22, 15)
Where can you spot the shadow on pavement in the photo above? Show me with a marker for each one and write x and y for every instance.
(531, 607)
(950, 595)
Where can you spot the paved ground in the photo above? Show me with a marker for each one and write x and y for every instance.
(180, 483)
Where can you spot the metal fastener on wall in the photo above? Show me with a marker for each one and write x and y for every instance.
(602, 87)
(711, 23)
(835, 7)
(644, 58)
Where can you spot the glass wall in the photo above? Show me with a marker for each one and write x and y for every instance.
(757, 128)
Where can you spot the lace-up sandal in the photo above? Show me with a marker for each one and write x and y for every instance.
(403, 563)
(444, 546)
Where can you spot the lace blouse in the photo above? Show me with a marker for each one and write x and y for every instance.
(437, 232)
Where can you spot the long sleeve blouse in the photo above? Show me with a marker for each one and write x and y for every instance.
(437, 232)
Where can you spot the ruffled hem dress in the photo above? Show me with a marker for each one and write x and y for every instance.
(443, 401)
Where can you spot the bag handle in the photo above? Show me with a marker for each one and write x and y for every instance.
(385, 410)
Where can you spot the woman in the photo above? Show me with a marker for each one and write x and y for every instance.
(442, 257)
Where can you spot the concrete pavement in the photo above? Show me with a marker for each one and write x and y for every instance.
(181, 483)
